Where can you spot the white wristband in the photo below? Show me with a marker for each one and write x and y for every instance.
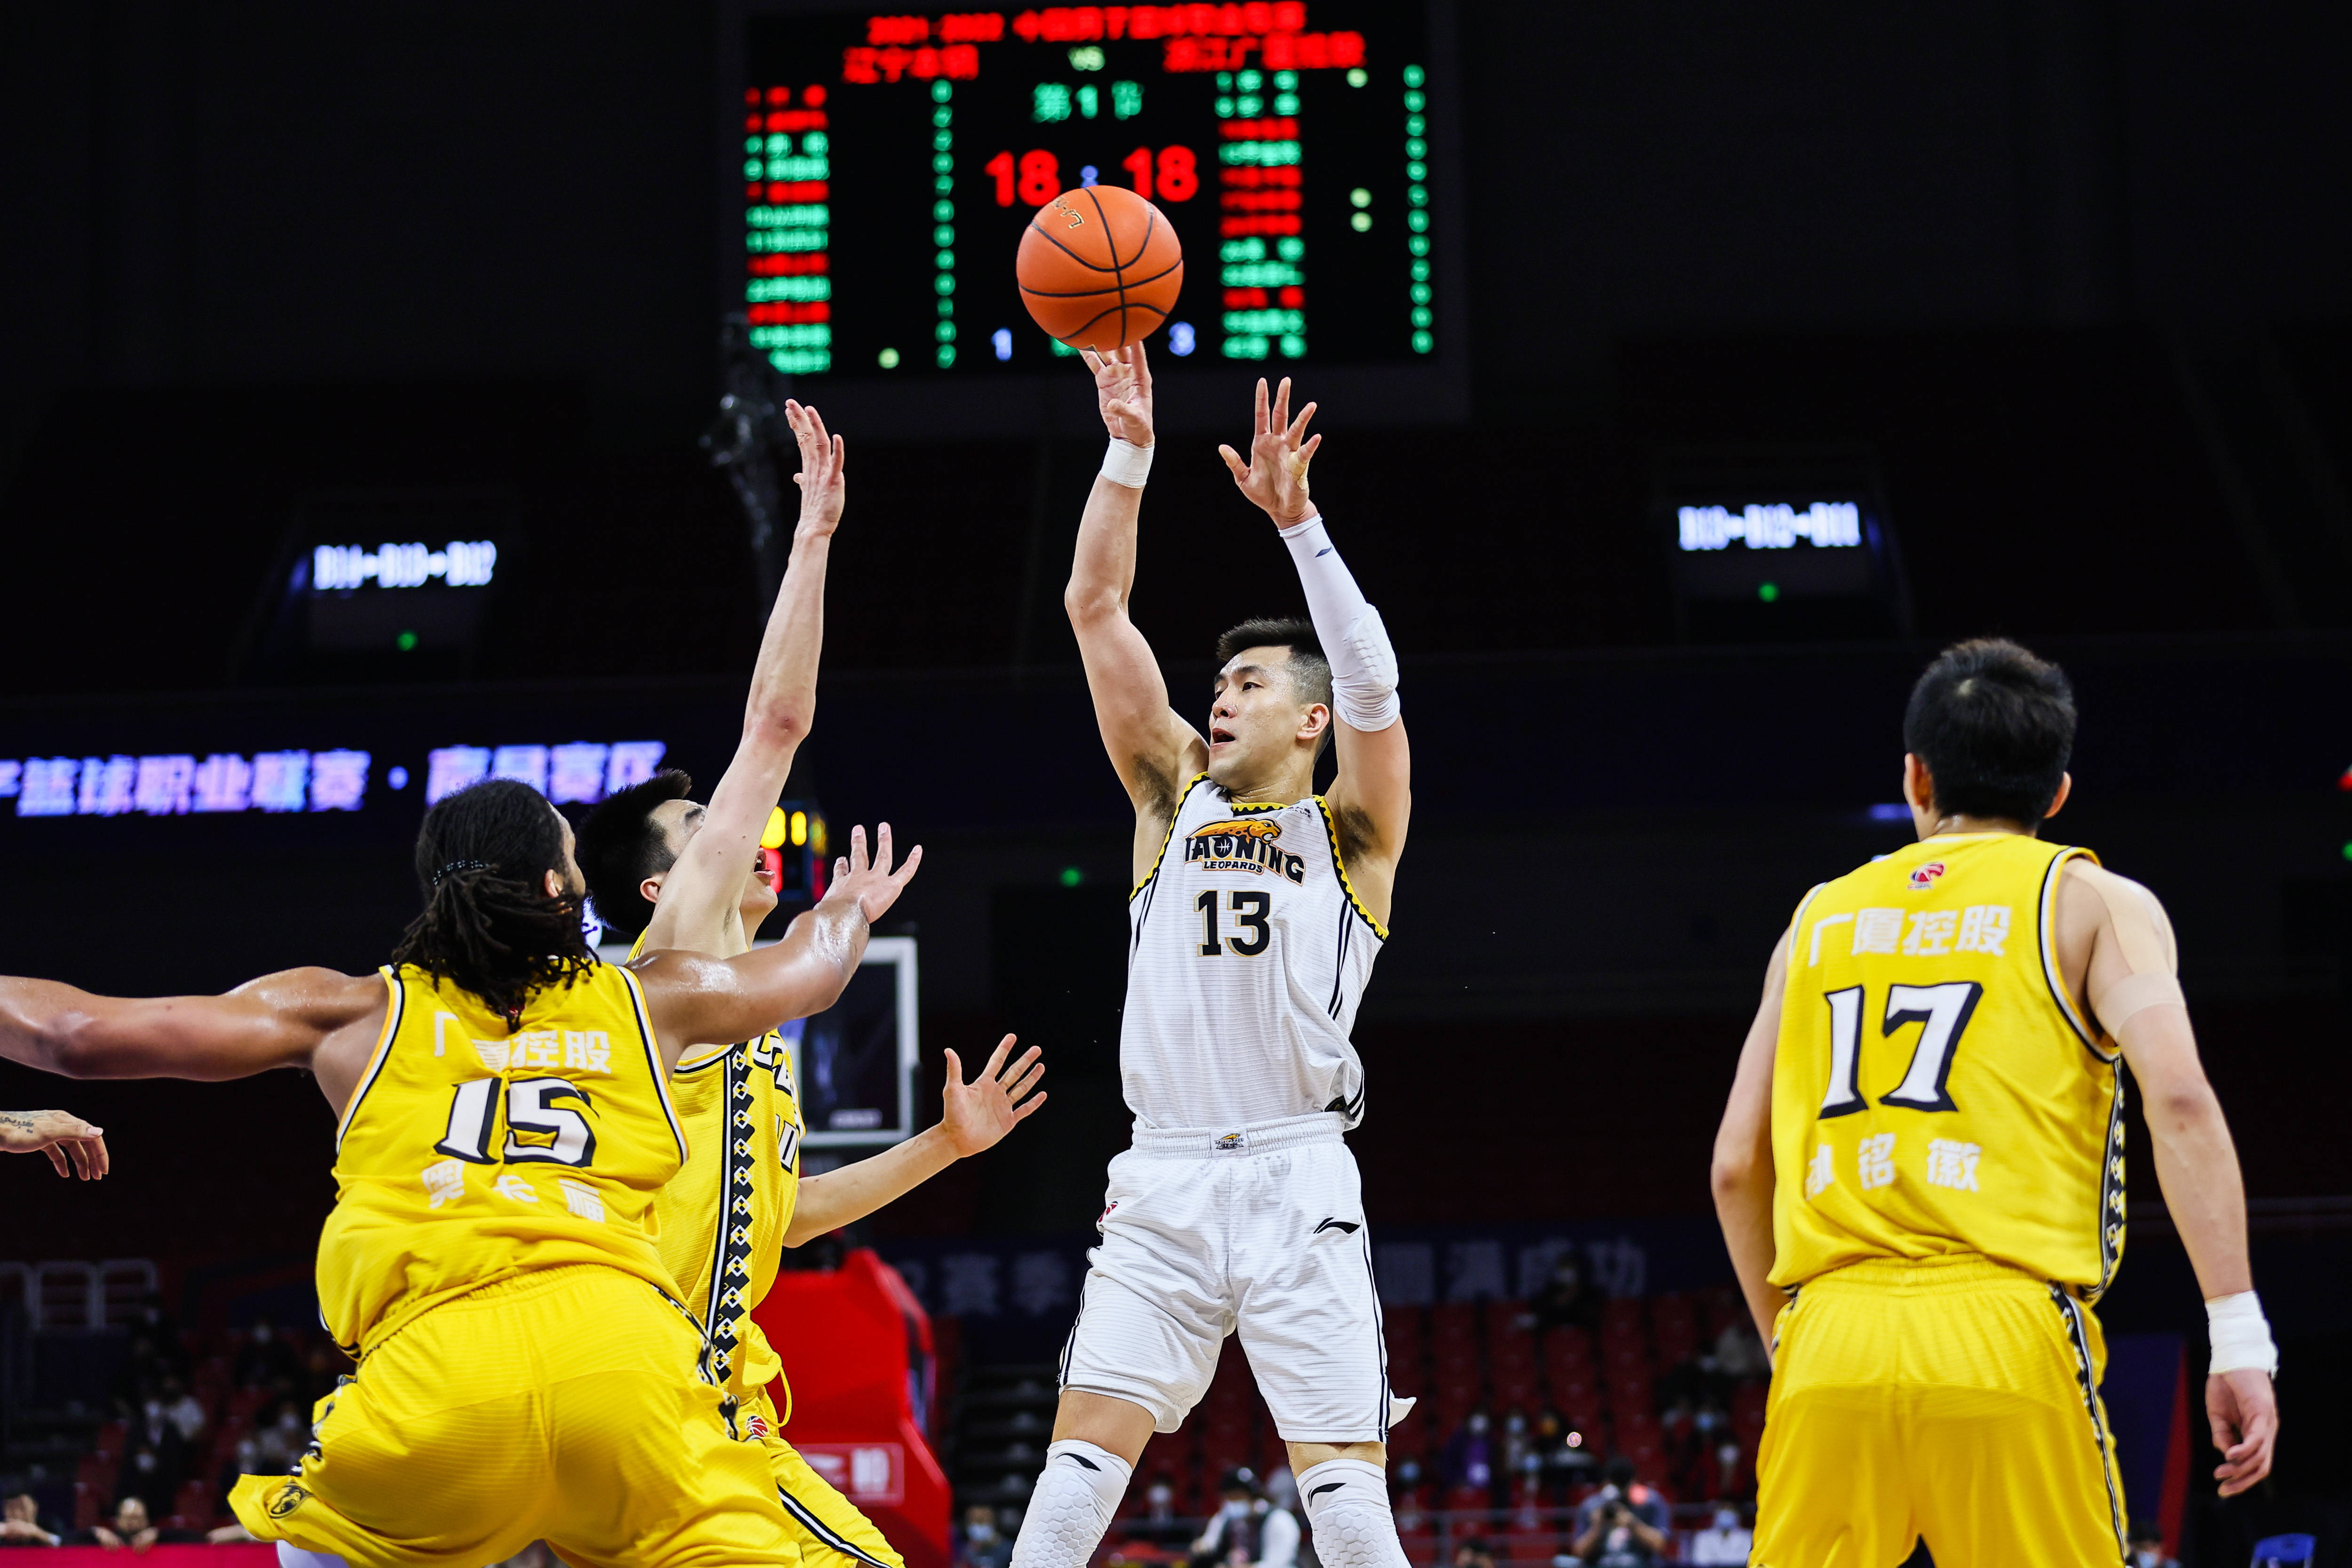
(1127, 464)
(2241, 1334)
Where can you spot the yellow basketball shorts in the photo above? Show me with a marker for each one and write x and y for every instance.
(558, 1405)
(1953, 1399)
(824, 1522)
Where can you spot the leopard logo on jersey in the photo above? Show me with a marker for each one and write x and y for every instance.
(1243, 845)
(289, 1497)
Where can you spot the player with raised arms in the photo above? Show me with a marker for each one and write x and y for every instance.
(1920, 1173)
(503, 1129)
(1258, 910)
(673, 873)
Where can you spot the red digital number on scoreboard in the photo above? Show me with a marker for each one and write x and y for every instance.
(1171, 176)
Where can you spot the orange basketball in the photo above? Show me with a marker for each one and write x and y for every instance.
(1100, 267)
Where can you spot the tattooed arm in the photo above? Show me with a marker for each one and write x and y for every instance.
(57, 1134)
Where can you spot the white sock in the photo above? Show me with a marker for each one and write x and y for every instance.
(1077, 1494)
(292, 1556)
(1347, 1501)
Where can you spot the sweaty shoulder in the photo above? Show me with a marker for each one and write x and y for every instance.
(343, 1014)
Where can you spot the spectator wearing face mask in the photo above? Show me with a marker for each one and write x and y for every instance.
(1247, 1532)
(985, 1546)
(281, 1443)
(265, 1359)
(1724, 1542)
(1470, 1456)
(1159, 1499)
(2148, 1547)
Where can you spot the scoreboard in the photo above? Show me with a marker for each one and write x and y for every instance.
(890, 163)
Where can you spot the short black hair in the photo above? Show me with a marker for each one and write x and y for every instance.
(620, 845)
(1310, 672)
(1995, 727)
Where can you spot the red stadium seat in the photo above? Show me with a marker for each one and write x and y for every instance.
(110, 1440)
(1452, 1322)
(1673, 1325)
(193, 1507)
(1538, 1545)
(1516, 1387)
(1622, 1314)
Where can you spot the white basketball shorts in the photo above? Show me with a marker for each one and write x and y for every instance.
(1259, 1232)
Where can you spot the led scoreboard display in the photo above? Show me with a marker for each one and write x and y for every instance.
(891, 163)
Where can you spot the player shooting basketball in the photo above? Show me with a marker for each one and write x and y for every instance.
(1259, 909)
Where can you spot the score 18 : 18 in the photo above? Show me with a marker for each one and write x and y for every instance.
(1174, 176)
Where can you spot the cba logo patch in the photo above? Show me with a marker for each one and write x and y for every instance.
(292, 1497)
(756, 1424)
(1924, 877)
(1243, 844)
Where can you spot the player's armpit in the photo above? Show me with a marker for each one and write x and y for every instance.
(1375, 786)
(278, 1020)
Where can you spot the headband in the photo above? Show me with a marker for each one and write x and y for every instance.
(455, 865)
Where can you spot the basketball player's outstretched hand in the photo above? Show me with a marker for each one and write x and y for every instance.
(1123, 391)
(58, 1135)
(975, 1115)
(2243, 1408)
(1274, 477)
(823, 458)
(875, 886)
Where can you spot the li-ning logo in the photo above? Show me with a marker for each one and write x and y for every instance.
(1244, 844)
(1924, 877)
(1077, 219)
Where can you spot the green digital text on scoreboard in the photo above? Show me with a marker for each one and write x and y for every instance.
(891, 163)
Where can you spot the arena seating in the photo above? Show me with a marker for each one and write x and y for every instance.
(1615, 1389)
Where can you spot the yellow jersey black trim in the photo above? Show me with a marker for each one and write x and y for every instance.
(1168, 838)
(652, 1059)
(1340, 864)
(2080, 1340)
(393, 1010)
(2111, 1188)
(2047, 923)
(730, 1261)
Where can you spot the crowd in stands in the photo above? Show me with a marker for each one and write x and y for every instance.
(190, 1414)
(1572, 1428)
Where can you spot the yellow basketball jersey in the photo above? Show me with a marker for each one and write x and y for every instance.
(470, 1152)
(722, 1217)
(1936, 1090)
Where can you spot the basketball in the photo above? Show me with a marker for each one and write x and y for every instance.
(1099, 268)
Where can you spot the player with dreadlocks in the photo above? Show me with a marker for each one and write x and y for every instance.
(502, 1126)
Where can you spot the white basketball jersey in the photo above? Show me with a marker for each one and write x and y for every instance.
(1247, 955)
